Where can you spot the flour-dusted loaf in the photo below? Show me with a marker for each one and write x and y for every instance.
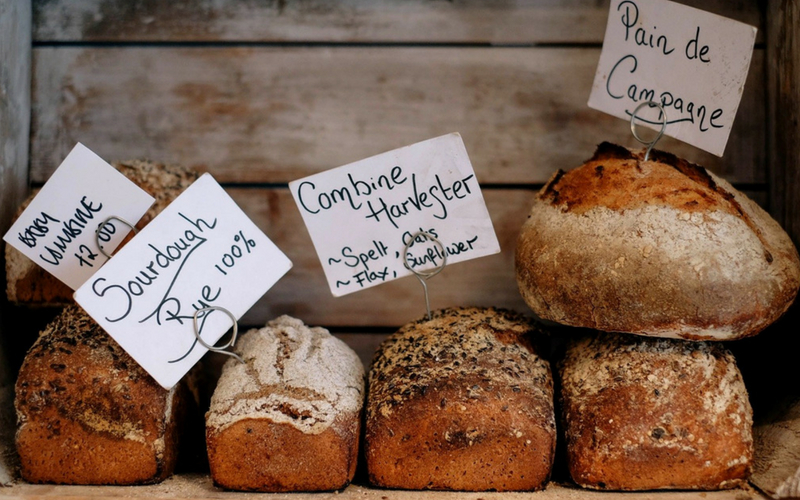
(463, 401)
(660, 247)
(30, 285)
(89, 414)
(643, 413)
(289, 417)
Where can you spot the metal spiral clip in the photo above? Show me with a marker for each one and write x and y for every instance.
(103, 224)
(423, 276)
(231, 342)
(662, 115)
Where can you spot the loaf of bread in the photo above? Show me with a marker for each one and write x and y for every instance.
(463, 401)
(289, 417)
(89, 414)
(660, 247)
(642, 413)
(30, 285)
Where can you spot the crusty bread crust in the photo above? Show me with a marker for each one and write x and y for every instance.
(30, 285)
(461, 402)
(662, 248)
(89, 414)
(642, 413)
(288, 418)
(255, 454)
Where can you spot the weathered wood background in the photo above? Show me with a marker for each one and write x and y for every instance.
(260, 94)
(15, 70)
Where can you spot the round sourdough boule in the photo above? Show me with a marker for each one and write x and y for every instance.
(660, 247)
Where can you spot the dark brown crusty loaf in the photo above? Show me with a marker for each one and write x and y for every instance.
(89, 414)
(463, 401)
(29, 284)
(289, 417)
(642, 413)
(662, 248)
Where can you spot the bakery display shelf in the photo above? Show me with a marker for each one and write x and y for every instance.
(200, 486)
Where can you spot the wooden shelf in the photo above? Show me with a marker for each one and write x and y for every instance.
(196, 486)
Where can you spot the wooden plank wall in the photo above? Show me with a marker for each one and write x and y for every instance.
(261, 93)
(15, 69)
(776, 468)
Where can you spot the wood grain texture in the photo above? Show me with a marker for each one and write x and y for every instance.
(15, 102)
(417, 21)
(15, 70)
(200, 487)
(776, 465)
(275, 114)
(783, 76)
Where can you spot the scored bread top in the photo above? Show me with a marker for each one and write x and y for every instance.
(659, 247)
(494, 344)
(292, 374)
(618, 178)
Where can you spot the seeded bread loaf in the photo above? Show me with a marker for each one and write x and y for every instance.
(289, 417)
(463, 401)
(29, 284)
(660, 247)
(642, 413)
(89, 414)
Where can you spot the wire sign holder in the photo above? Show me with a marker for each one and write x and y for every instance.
(662, 115)
(424, 276)
(103, 225)
(221, 349)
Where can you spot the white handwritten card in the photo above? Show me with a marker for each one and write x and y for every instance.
(692, 62)
(201, 251)
(58, 228)
(362, 215)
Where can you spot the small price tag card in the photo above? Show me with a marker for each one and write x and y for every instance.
(58, 229)
(692, 62)
(362, 216)
(201, 251)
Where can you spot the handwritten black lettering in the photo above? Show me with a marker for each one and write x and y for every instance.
(162, 261)
(354, 259)
(364, 188)
(630, 19)
(37, 229)
(696, 51)
(91, 256)
(433, 255)
(365, 277)
(418, 200)
(105, 230)
(229, 259)
(70, 229)
(419, 238)
(204, 302)
(687, 111)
